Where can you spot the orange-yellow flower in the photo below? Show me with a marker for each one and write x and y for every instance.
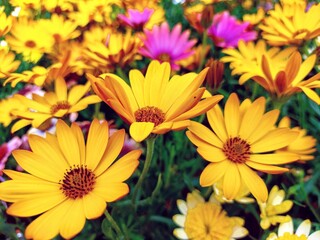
(154, 103)
(242, 139)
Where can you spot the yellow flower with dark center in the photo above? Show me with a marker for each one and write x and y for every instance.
(275, 205)
(206, 220)
(290, 23)
(242, 139)
(68, 180)
(55, 104)
(154, 103)
(303, 145)
(285, 232)
(28, 38)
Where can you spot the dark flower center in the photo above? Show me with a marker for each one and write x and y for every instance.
(237, 150)
(164, 57)
(59, 105)
(77, 182)
(150, 114)
(30, 44)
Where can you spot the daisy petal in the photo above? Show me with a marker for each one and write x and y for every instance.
(93, 206)
(212, 173)
(139, 131)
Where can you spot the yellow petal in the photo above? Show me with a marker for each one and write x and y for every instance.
(115, 144)
(80, 139)
(122, 169)
(275, 139)
(93, 206)
(36, 205)
(211, 153)
(254, 183)
(20, 124)
(137, 86)
(111, 191)
(61, 88)
(77, 92)
(216, 122)
(231, 181)
(140, 130)
(213, 173)
(97, 141)
(274, 158)
(267, 168)
(232, 115)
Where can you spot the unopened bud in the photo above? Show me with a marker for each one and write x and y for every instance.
(215, 74)
(207, 17)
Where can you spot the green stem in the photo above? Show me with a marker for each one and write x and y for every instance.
(114, 225)
(302, 108)
(203, 50)
(312, 209)
(150, 147)
(121, 74)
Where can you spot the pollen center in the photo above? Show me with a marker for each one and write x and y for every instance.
(150, 114)
(164, 57)
(30, 44)
(237, 150)
(77, 182)
(59, 105)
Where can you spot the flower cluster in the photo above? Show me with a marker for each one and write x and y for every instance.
(113, 111)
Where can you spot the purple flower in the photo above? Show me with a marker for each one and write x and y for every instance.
(6, 150)
(226, 31)
(136, 19)
(165, 46)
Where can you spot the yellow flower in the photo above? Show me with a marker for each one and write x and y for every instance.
(8, 63)
(281, 83)
(153, 103)
(246, 60)
(303, 145)
(59, 28)
(274, 206)
(68, 180)
(5, 22)
(241, 197)
(255, 18)
(243, 140)
(28, 37)
(117, 50)
(285, 232)
(53, 104)
(206, 220)
(290, 23)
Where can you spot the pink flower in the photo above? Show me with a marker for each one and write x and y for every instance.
(226, 31)
(165, 46)
(6, 149)
(136, 19)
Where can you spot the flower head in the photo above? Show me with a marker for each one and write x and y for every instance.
(167, 46)
(226, 31)
(8, 63)
(68, 180)
(274, 206)
(290, 23)
(136, 19)
(53, 104)
(5, 22)
(206, 220)
(154, 103)
(242, 140)
(285, 232)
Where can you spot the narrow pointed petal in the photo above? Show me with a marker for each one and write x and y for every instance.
(93, 206)
(267, 168)
(231, 181)
(111, 191)
(232, 115)
(212, 173)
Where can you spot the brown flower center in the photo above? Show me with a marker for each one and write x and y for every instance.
(30, 44)
(59, 105)
(164, 57)
(77, 182)
(237, 150)
(150, 114)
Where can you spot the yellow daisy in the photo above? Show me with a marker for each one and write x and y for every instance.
(68, 180)
(206, 220)
(246, 60)
(290, 23)
(303, 145)
(28, 38)
(285, 232)
(53, 104)
(155, 103)
(6, 107)
(242, 140)
(274, 206)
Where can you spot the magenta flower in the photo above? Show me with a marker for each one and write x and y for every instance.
(165, 46)
(6, 150)
(226, 31)
(136, 19)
